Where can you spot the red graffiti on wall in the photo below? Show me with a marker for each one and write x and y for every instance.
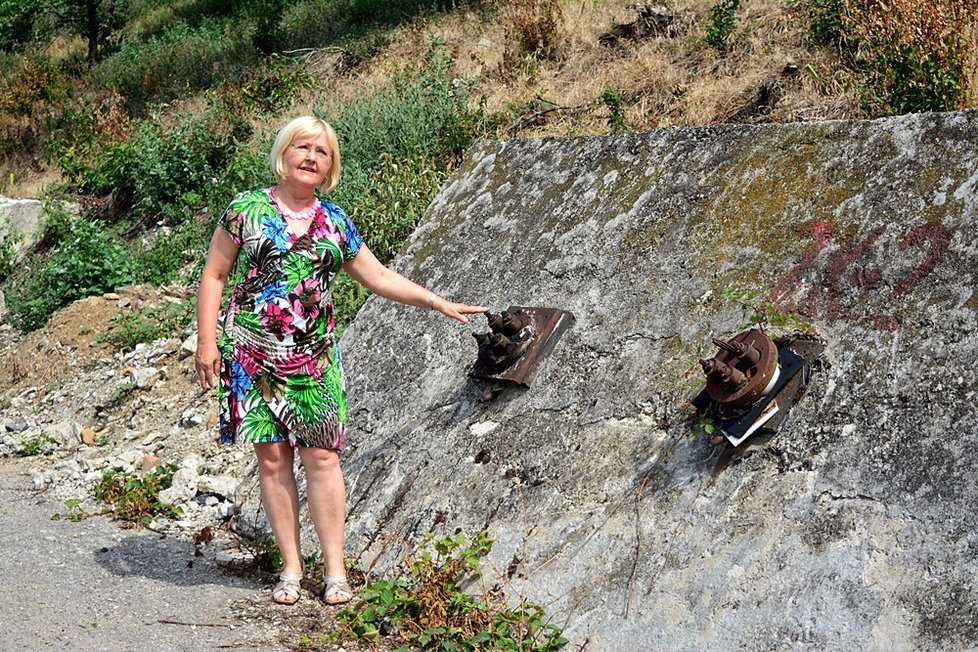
(844, 295)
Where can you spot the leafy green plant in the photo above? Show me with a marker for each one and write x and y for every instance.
(34, 446)
(430, 611)
(75, 513)
(89, 261)
(825, 25)
(764, 314)
(126, 330)
(118, 396)
(720, 24)
(615, 102)
(136, 499)
(7, 254)
(704, 425)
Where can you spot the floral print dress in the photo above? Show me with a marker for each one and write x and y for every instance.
(281, 374)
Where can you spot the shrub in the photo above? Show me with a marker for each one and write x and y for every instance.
(399, 144)
(429, 610)
(720, 24)
(181, 59)
(825, 22)
(89, 261)
(536, 27)
(918, 56)
(136, 499)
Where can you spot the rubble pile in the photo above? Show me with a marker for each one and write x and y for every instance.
(81, 409)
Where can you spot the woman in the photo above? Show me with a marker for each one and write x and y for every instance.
(281, 379)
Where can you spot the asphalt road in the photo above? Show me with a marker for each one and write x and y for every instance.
(91, 586)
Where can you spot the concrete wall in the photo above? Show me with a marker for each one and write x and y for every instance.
(853, 528)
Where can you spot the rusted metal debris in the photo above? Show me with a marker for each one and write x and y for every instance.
(744, 394)
(518, 340)
(743, 370)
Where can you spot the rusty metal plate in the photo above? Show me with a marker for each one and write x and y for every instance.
(545, 328)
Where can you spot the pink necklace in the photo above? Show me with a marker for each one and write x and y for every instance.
(298, 217)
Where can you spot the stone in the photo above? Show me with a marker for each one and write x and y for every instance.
(88, 436)
(188, 347)
(145, 377)
(16, 426)
(223, 486)
(65, 433)
(149, 462)
(40, 481)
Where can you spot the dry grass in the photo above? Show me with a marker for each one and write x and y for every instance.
(665, 80)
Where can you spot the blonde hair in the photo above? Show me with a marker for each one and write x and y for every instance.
(306, 125)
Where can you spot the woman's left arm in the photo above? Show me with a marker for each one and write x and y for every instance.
(368, 272)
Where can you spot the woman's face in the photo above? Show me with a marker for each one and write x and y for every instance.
(307, 160)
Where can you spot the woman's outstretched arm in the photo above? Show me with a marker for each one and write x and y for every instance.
(367, 270)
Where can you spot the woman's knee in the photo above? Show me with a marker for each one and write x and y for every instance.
(320, 461)
(274, 457)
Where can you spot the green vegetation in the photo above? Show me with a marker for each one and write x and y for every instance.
(912, 56)
(34, 446)
(87, 261)
(126, 330)
(721, 23)
(136, 499)
(75, 513)
(118, 396)
(429, 611)
(764, 314)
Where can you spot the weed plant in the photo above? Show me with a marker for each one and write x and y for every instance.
(536, 27)
(721, 23)
(34, 446)
(764, 314)
(126, 330)
(136, 499)
(430, 610)
(918, 56)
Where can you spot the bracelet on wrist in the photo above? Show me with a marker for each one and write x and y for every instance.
(431, 301)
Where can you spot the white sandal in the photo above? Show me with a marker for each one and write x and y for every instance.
(337, 591)
(287, 591)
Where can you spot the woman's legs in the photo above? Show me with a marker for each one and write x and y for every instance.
(280, 498)
(327, 504)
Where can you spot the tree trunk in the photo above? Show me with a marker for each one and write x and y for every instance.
(92, 27)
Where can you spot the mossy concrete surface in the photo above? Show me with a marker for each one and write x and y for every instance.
(853, 528)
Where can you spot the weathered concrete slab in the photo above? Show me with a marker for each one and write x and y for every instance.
(854, 529)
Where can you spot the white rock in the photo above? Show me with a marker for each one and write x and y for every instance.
(188, 347)
(145, 377)
(183, 487)
(66, 433)
(483, 428)
(220, 485)
(40, 481)
(151, 437)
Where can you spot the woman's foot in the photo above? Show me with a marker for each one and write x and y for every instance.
(337, 591)
(287, 589)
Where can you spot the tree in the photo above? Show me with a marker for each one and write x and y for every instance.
(93, 20)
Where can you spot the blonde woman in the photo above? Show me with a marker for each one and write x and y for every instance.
(281, 379)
